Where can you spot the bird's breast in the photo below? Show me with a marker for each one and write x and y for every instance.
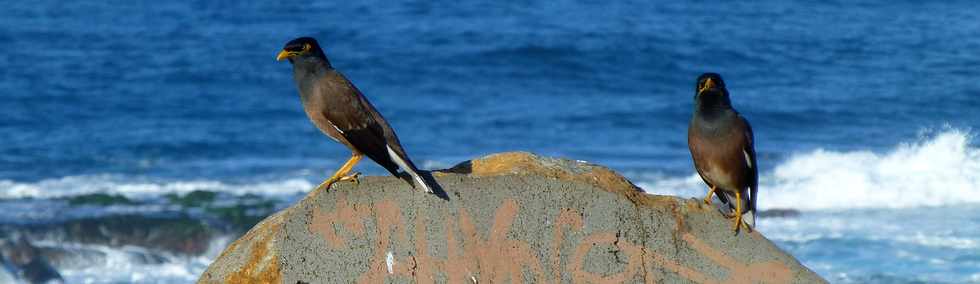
(720, 177)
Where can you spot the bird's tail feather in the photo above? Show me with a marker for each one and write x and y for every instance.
(410, 170)
(749, 218)
(425, 185)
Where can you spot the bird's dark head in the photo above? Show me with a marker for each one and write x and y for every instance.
(304, 49)
(710, 82)
(710, 91)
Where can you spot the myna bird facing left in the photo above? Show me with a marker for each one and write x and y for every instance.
(341, 112)
(721, 144)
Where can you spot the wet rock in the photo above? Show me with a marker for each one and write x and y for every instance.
(100, 199)
(197, 198)
(512, 217)
(779, 213)
(24, 262)
(73, 258)
(174, 234)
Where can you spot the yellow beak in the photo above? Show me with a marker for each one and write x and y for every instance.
(708, 84)
(284, 54)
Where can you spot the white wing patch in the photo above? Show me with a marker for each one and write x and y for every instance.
(748, 159)
(335, 127)
(320, 126)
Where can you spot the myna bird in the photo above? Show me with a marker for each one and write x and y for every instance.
(722, 147)
(341, 112)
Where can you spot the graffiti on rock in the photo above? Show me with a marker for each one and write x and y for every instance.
(475, 257)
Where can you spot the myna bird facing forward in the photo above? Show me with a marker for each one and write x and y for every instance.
(721, 144)
(341, 112)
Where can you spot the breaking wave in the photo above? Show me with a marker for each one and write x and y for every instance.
(108, 184)
(941, 169)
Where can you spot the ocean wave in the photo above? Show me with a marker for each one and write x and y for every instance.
(937, 170)
(128, 264)
(912, 245)
(110, 184)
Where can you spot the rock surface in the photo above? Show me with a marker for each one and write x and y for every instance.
(511, 217)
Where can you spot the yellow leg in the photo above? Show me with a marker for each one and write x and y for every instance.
(738, 214)
(738, 210)
(341, 174)
(707, 199)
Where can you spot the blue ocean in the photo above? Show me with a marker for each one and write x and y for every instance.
(138, 138)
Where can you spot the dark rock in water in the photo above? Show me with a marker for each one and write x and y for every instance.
(73, 258)
(76, 257)
(197, 198)
(27, 263)
(184, 230)
(180, 235)
(145, 257)
(779, 213)
(175, 234)
(512, 217)
(100, 199)
(40, 271)
(240, 214)
(18, 251)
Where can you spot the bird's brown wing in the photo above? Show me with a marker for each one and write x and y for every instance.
(357, 120)
(746, 142)
(695, 144)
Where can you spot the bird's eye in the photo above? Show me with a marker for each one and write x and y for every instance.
(306, 47)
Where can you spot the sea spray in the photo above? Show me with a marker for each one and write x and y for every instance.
(941, 169)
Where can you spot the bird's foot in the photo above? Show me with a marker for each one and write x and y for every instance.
(711, 191)
(325, 185)
(351, 178)
(329, 182)
(739, 223)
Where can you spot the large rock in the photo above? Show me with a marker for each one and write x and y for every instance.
(511, 217)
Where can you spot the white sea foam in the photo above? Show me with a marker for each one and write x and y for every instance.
(942, 169)
(119, 266)
(124, 264)
(78, 185)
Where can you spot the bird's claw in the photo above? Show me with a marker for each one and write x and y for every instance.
(325, 185)
(329, 182)
(739, 223)
(351, 178)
